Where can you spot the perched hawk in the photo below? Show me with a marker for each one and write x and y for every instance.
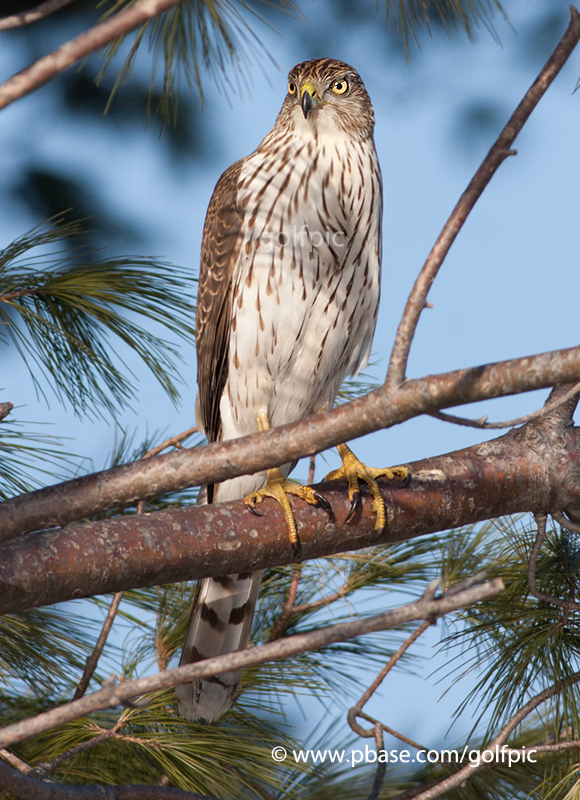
(286, 309)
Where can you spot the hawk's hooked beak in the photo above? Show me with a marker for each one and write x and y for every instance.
(308, 97)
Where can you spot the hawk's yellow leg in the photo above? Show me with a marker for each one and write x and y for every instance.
(354, 471)
(279, 488)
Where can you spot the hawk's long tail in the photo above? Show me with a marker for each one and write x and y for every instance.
(220, 622)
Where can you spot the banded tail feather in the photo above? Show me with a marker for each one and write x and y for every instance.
(220, 622)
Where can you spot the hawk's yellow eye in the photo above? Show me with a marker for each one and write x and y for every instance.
(339, 87)
(291, 87)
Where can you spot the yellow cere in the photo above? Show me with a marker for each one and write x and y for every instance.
(309, 87)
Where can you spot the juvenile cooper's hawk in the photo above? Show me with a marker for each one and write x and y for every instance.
(286, 309)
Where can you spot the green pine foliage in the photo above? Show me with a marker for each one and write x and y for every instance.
(28, 460)
(190, 38)
(199, 36)
(67, 312)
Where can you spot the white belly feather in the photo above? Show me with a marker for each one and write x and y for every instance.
(306, 284)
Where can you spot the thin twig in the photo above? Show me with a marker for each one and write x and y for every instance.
(345, 589)
(311, 469)
(567, 605)
(498, 153)
(482, 422)
(93, 659)
(288, 607)
(173, 441)
(33, 15)
(355, 710)
(381, 764)
(113, 694)
(390, 731)
(46, 68)
(46, 767)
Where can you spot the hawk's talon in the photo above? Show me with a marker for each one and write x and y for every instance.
(355, 507)
(354, 471)
(323, 503)
(279, 489)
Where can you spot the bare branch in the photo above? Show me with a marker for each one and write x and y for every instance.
(565, 522)
(381, 765)
(557, 747)
(113, 695)
(288, 607)
(26, 788)
(33, 15)
(14, 761)
(5, 409)
(173, 441)
(46, 767)
(548, 408)
(495, 157)
(93, 659)
(381, 408)
(354, 712)
(46, 68)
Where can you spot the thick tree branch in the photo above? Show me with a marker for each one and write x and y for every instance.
(27, 788)
(427, 607)
(381, 408)
(535, 468)
(46, 68)
(500, 150)
(33, 15)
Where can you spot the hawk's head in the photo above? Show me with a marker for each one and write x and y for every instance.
(327, 93)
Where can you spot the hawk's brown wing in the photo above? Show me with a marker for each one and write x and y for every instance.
(222, 238)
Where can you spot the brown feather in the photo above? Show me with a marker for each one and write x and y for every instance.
(219, 252)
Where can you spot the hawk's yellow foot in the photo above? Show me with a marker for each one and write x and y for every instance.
(279, 488)
(354, 471)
